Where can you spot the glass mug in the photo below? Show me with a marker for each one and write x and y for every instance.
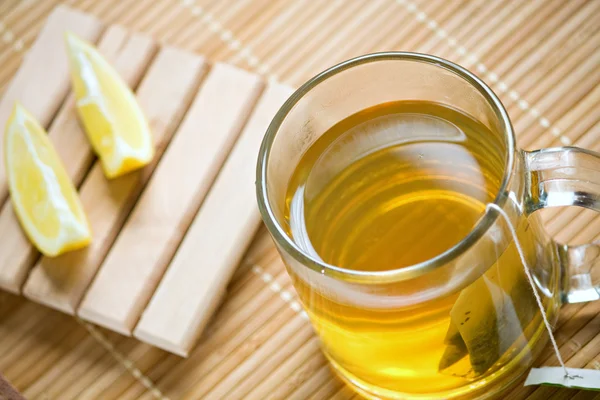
(463, 324)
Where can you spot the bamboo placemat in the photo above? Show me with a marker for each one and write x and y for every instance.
(541, 56)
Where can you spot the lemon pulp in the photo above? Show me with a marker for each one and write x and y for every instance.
(44, 198)
(111, 116)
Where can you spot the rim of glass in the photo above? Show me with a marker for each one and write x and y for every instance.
(481, 227)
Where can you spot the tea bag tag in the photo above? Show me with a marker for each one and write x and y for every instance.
(557, 376)
(577, 379)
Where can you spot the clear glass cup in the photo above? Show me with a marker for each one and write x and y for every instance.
(362, 317)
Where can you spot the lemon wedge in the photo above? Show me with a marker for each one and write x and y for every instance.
(43, 196)
(111, 116)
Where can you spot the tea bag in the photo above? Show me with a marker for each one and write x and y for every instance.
(507, 307)
(488, 319)
(456, 350)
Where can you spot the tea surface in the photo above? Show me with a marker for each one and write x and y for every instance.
(393, 186)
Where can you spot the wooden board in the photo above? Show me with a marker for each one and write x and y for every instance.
(196, 113)
(537, 55)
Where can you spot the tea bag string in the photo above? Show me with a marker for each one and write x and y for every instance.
(513, 232)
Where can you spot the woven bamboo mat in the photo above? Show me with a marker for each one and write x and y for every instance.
(541, 56)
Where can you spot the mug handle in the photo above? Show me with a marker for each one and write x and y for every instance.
(568, 176)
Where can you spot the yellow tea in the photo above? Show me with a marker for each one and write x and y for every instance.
(390, 187)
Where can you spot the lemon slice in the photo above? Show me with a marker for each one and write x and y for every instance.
(42, 194)
(109, 111)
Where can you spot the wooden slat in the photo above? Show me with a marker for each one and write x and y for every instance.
(165, 210)
(42, 90)
(61, 374)
(262, 363)
(7, 5)
(35, 363)
(214, 244)
(164, 95)
(130, 56)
